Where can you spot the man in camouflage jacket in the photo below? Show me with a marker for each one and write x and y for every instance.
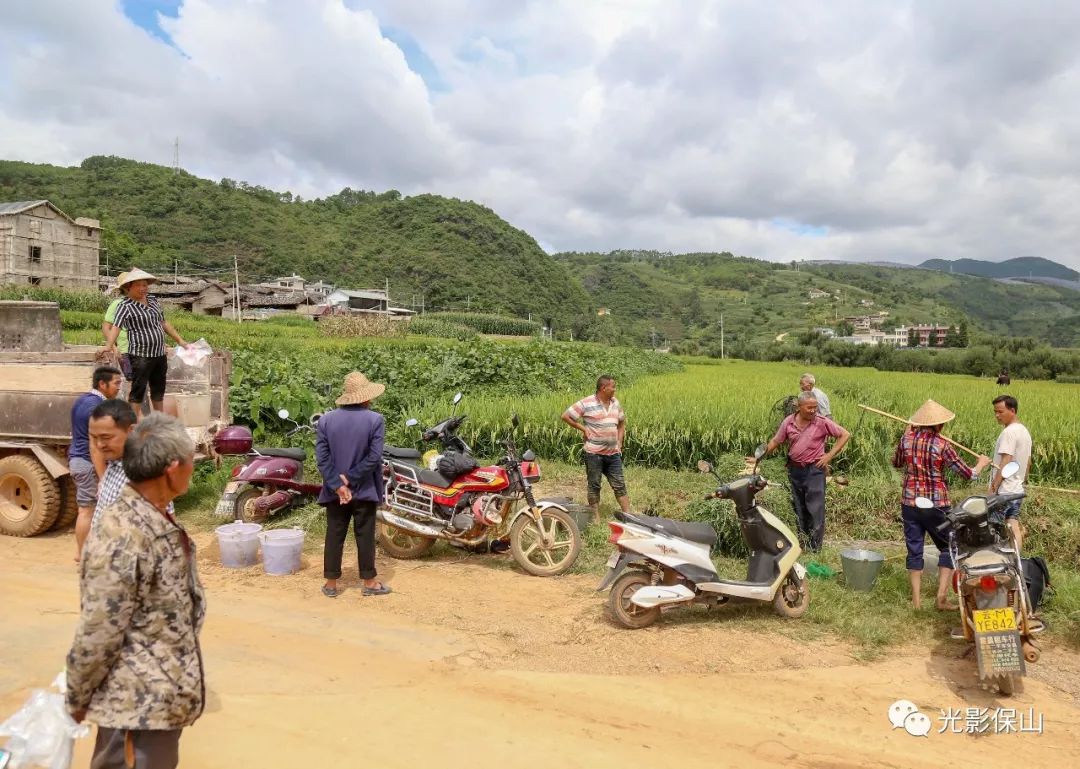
(135, 667)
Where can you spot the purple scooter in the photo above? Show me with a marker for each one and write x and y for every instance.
(270, 481)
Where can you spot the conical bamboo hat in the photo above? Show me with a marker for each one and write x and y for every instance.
(931, 413)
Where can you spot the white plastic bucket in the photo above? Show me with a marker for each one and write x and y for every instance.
(281, 549)
(239, 544)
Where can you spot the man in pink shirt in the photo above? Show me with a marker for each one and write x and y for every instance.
(805, 433)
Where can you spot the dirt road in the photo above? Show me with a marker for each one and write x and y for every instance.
(472, 664)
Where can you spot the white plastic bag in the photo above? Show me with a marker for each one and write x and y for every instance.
(195, 354)
(41, 732)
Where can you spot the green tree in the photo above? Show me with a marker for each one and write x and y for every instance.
(962, 334)
(912, 338)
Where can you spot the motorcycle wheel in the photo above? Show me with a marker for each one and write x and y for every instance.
(792, 597)
(527, 545)
(401, 544)
(244, 506)
(627, 614)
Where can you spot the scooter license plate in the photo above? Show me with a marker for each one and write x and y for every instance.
(994, 620)
(614, 559)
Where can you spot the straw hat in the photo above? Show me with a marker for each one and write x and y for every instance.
(359, 390)
(931, 413)
(133, 275)
(120, 280)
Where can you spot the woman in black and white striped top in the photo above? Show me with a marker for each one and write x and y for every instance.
(141, 316)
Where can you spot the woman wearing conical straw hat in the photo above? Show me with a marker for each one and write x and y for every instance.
(924, 456)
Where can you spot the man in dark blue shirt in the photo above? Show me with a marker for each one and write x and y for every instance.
(106, 384)
(348, 449)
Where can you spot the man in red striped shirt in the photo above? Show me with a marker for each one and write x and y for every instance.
(924, 455)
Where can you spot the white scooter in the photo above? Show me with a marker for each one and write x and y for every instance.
(662, 563)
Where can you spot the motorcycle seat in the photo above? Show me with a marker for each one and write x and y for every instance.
(432, 478)
(702, 533)
(984, 559)
(397, 452)
(298, 454)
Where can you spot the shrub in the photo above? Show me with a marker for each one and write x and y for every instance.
(427, 326)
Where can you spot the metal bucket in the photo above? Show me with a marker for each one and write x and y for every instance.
(861, 568)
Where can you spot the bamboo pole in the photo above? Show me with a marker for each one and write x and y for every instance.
(944, 438)
(965, 448)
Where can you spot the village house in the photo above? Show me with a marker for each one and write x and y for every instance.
(40, 245)
(924, 331)
(291, 283)
(816, 293)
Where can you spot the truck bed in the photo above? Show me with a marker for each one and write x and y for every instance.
(38, 389)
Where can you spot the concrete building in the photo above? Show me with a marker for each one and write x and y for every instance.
(40, 245)
(371, 300)
(816, 293)
(898, 337)
(291, 283)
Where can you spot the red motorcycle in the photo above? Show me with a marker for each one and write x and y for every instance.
(270, 481)
(471, 506)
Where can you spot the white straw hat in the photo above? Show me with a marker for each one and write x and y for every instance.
(931, 413)
(133, 275)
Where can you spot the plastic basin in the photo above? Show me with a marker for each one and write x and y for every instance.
(281, 549)
(239, 544)
(861, 568)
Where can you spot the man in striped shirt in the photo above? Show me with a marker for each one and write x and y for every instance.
(141, 316)
(602, 421)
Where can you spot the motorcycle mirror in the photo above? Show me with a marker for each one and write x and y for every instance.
(457, 399)
(411, 422)
(703, 466)
(1010, 469)
(923, 503)
(315, 419)
(283, 413)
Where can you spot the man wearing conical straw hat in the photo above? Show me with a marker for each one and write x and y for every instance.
(924, 455)
(349, 449)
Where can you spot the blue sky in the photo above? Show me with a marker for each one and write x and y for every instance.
(145, 14)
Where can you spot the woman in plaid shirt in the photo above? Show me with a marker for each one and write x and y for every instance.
(924, 456)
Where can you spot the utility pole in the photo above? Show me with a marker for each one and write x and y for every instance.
(721, 336)
(176, 156)
(236, 286)
(175, 271)
(468, 303)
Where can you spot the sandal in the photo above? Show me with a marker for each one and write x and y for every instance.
(329, 592)
(380, 589)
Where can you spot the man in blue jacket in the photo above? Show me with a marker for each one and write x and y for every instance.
(349, 448)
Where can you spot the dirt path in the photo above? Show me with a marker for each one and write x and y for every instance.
(471, 664)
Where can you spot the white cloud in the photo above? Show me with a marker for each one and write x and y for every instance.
(786, 130)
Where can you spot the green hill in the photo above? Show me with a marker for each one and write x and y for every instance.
(459, 254)
(1021, 267)
(681, 297)
(454, 252)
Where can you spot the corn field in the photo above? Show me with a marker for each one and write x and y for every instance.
(708, 411)
(488, 324)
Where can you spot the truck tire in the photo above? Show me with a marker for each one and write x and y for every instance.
(69, 508)
(29, 497)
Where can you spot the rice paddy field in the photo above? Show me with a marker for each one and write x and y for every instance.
(727, 408)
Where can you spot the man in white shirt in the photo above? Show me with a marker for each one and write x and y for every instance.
(1014, 444)
(807, 385)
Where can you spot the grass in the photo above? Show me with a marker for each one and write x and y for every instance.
(872, 621)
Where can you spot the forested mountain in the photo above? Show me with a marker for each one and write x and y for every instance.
(454, 252)
(1020, 267)
(457, 254)
(682, 296)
